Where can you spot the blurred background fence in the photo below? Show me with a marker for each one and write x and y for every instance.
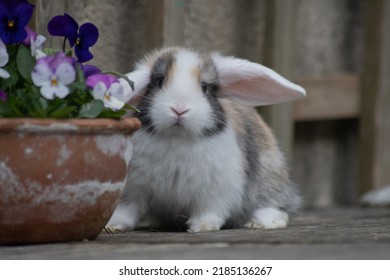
(338, 138)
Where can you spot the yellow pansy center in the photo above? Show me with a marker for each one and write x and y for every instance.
(11, 23)
(107, 96)
(78, 41)
(53, 82)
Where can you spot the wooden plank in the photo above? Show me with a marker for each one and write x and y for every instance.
(279, 35)
(329, 98)
(210, 251)
(310, 233)
(173, 33)
(154, 24)
(164, 24)
(32, 23)
(375, 122)
(44, 11)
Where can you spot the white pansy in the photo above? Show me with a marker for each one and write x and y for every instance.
(37, 45)
(128, 92)
(113, 97)
(3, 60)
(54, 83)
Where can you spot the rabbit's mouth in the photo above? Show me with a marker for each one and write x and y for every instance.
(179, 122)
(178, 126)
(180, 129)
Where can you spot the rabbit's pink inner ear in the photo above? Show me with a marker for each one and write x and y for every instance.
(258, 91)
(253, 84)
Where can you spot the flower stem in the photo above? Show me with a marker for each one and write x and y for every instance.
(64, 44)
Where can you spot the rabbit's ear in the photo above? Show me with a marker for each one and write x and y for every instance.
(141, 78)
(253, 84)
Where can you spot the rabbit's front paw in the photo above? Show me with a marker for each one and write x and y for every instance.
(268, 218)
(122, 220)
(203, 224)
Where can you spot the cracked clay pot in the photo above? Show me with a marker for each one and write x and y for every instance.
(60, 180)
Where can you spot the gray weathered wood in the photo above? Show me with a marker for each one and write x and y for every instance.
(44, 11)
(279, 54)
(173, 33)
(330, 98)
(154, 24)
(164, 25)
(375, 122)
(355, 233)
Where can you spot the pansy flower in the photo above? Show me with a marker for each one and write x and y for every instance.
(37, 46)
(108, 89)
(30, 35)
(53, 74)
(3, 60)
(89, 70)
(3, 96)
(80, 38)
(35, 42)
(14, 16)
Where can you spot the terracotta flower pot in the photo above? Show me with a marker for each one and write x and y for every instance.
(60, 180)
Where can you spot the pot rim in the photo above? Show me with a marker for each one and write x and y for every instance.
(69, 126)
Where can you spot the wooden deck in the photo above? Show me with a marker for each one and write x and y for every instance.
(352, 233)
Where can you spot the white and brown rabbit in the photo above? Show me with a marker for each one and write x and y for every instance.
(199, 157)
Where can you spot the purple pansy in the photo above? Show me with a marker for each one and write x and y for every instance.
(34, 42)
(90, 70)
(14, 16)
(3, 96)
(53, 61)
(80, 38)
(31, 35)
(52, 74)
(108, 89)
(106, 79)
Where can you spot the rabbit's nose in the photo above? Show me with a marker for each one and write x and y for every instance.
(179, 112)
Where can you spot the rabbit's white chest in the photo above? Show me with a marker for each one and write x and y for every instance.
(178, 176)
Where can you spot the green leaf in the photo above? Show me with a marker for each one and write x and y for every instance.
(13, 107)
(28, 102)
(131, 108)
(65, 112)
(77, 86)
(110, 114)
(80, 77)
(36, 104)
(50, 51)
(56, 104)
(24, 99)
(25, 62)
(11, 81)
(92, 109)
(53, 51)
(44, 103)
(4, 109)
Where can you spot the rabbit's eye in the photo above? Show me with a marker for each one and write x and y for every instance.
(204, 87)
(160, 81)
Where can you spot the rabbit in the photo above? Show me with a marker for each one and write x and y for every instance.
(203, 158)
(378, 197)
